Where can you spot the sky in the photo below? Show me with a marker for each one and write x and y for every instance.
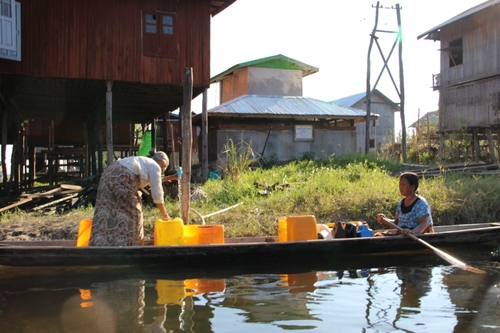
(334, 36)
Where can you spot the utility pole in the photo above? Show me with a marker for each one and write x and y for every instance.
(400, 91)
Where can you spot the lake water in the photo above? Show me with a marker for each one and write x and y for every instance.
(416, 294)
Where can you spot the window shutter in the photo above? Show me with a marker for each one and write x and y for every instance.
(10, 30)
(7, 25)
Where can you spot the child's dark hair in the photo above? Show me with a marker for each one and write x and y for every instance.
(411, 177)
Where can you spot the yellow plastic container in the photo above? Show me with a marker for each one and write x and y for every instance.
(301, 282)
(170, 232)
(191, 234)
(210, 234)
(86, 296)
(202, 286)
(297, 228)
(84, 232)
(203, 234)
(170, 292)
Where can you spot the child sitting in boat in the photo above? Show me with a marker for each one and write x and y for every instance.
(413, 213)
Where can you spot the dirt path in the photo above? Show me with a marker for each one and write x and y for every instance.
(45, 228)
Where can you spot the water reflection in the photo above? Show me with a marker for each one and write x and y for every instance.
(402, 298)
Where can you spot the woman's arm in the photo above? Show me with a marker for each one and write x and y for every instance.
(382, 216)
(422, 225)
(163, 211)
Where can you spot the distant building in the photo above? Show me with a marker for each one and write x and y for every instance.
(469, 78)
(262, 104)
(382, 129)
(430, 118)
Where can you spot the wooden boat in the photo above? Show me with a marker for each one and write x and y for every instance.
(239, 251)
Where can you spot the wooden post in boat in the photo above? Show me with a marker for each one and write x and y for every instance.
(185, 116)
(204, 137)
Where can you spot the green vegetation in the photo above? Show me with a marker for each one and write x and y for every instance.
(346, 188)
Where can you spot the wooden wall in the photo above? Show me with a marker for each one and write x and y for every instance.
(481, 47)
(97, 39)
(469, 94)
(234, 85)
(475, 104)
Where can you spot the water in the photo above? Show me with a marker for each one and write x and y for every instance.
(424, 296)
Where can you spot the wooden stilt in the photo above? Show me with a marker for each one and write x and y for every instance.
(491, 146)
(109, 122)
(441, 147)
(100, 140)
(4, 149)
(475, 139)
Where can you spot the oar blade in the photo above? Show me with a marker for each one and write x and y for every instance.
(474, 270)
(452, 260)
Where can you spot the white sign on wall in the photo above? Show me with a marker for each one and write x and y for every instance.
(303, 133)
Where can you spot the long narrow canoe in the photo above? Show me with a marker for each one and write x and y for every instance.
(238, 251)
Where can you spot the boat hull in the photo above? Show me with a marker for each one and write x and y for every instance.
(237, 251)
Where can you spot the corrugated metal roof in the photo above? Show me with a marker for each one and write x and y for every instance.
(434, 32)
(290, 106)
(277, 61)
(349, 101)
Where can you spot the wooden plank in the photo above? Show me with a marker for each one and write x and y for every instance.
(23, 201)
(71, 187)
(55, 202)
(46, 193)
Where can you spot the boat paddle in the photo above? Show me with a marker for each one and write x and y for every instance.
(443, 255)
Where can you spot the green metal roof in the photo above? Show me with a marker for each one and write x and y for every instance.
(278, 61)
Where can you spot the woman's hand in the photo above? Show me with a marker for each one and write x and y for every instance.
(380, 217)
(163, 211)
(406, 231)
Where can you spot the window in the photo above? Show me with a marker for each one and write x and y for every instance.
(6, 8)
(168, 25)
(159, 38)
(10, 30)
(456, 52)
(372, 143)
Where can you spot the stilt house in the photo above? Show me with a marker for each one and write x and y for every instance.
(469, 79)
(75, 75)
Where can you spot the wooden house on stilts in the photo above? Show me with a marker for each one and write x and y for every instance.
(75, 75)
(469, 79)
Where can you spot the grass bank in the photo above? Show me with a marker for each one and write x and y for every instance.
(349, 188)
